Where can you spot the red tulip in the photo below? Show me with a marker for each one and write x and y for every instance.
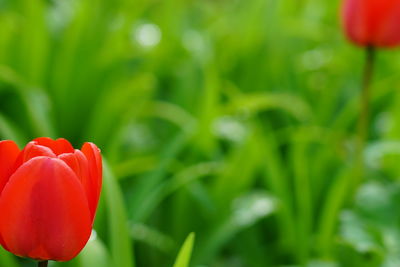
(49, 193)
(372, 22)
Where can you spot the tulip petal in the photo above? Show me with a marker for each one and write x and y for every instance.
(388, 33)
(32, 150)
(372, 22)
(94, 181)
(80, 165)
(58, 146)
(44, 212)
(9, 152)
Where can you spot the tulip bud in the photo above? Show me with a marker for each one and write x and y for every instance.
(49, 193)
(372, 23)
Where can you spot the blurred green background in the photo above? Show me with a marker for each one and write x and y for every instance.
(232, 119)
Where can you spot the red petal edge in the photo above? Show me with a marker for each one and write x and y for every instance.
(94, 182)
(58, 146)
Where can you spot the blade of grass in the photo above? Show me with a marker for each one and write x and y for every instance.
(276, 178)
(147, 183)
(37, 102)
(179, 180)
(303, 194)
(335, 199)
(8, 131)
(120, 243)
(185, 252)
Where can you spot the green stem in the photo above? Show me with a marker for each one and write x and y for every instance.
(43, 263)
(346, 183)
(363, 122)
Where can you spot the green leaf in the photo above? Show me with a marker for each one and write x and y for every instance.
(8, 131)
(7, 259)
(94, 254)
(120, 242)
(185, 252)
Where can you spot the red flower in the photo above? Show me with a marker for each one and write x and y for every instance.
(49, 193)
(372, 22)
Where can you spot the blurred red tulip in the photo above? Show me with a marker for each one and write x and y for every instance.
(372, 22)
(49, 193)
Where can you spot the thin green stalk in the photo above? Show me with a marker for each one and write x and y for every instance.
(343, 186)
(363, 122)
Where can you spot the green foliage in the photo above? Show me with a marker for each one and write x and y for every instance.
(232, 119)
(185, 252)
(7, 259)
(119, 241)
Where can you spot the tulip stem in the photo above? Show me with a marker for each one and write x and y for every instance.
(43, 263)
(363, 122)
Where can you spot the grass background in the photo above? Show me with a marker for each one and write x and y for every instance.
(232, 119)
